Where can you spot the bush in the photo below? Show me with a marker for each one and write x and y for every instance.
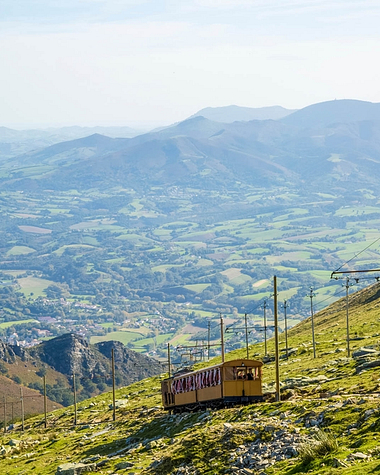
(322, 444)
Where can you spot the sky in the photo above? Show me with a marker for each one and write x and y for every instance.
(148, 63)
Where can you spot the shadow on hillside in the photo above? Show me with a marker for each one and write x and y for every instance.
(162, 426)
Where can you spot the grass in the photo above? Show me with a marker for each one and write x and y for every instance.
(157, 443)
(34, 285)
(16, 322)
(19, 250)
(322, 444)
(122, 336)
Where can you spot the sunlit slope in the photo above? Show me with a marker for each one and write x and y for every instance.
(145, 440)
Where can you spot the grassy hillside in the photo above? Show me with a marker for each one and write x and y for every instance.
(327, 424)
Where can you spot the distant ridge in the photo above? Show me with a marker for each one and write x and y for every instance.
(229, 114)
(324, 114)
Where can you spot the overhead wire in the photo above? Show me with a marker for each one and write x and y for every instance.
(358, 254)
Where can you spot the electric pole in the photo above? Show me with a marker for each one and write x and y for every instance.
(208, 339)
(312, 318)
(246, 334)
(222, 337)
(278, 396)
(169, 360)
(286, 329)
(347, 321)
(265, 329)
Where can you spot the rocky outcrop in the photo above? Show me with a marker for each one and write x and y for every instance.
(71, 353)
(137, 366)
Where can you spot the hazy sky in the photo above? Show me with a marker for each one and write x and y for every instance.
(129, 62)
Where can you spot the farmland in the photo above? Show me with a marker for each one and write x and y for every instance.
(123, 252)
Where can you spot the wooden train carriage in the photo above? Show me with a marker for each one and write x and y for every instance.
(232, 382)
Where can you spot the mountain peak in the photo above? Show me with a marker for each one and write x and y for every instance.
(326, 113)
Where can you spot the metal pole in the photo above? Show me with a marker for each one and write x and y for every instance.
(246, 334)
(278, 396)
(113, 386)
(22, 409)
(222, 336)
(12, 413)
(75, 400)
(286, 329)
(5, 414)
(45, 403)
(208, 340)
(312, 320)
(347, 320)
(169, 359)
(265, 329)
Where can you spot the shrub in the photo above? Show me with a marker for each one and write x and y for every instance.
(322, 444)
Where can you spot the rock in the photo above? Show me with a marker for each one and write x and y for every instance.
(336, 463)
(358, 455)
(227, 426)
(14, 443)
(367, 364)
(363, 351)
(119, 403)
(123, 465)
(75, 468)
(4, 450)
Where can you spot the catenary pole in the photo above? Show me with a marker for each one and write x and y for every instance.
(265, 329)
(278, 396)
(246, 334)
(347, 318)
(113, 385)
(222, 337)
(312, 320)
(45, 404)
(75, 400)
(286, 329)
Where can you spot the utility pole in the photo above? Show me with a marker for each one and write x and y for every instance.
(222, 336)
(113, 385)
(5, 414)
(75, 400)
(278, 396)
(347, 321)
(312, 319)
(286, 329)
(208, 339)
(169, 360)
(265, 329)
(22, 409)
(45, 404)
(246, 334)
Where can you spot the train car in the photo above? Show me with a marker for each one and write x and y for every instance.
(228, 383)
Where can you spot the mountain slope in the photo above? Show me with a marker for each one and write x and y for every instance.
(324, 114)
(329, 422)
(234, 113)
(71, 354)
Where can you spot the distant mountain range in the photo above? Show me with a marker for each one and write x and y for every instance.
(327, 144)
(230, 114)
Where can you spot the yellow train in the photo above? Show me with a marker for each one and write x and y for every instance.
(228, 383)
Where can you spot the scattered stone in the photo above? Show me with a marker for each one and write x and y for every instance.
(75, 468)
(358, 455)
(336, 463)
(14, 443)
(123, 465)
(363, 351)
